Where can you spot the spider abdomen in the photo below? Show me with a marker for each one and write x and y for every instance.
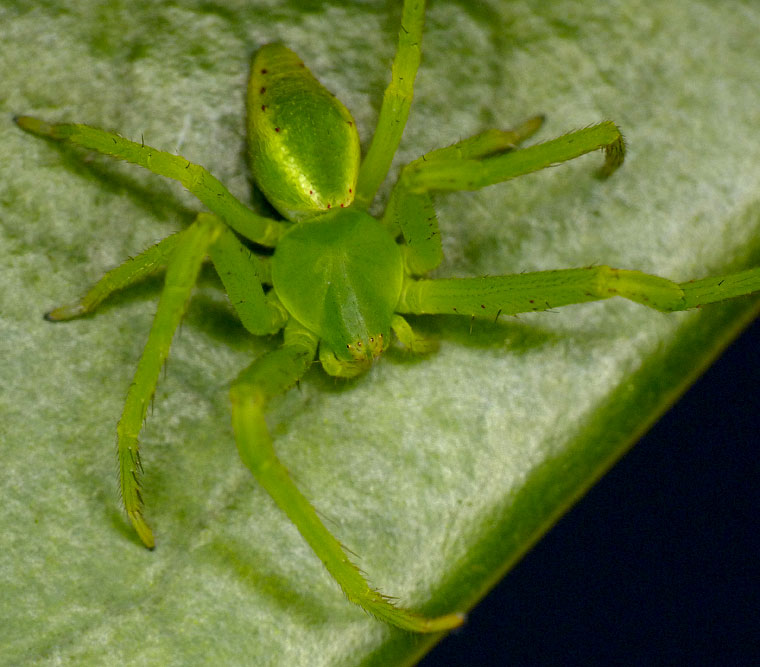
(303, 143)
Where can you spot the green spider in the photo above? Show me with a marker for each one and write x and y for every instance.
(339, 280)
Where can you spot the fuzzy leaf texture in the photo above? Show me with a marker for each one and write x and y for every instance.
(438, 472)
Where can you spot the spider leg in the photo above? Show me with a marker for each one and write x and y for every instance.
(492, 296)
(395, 107)
(720, 288)
(242, 274)
(195, 178)
(473, 174)
(181, 274)
(134, 269)
(411, 211)
(487, 143)
(269, 376)
(410, 339)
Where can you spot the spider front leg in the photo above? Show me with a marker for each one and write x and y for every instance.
(269, 376)
(493, 296)
(261, 314)
(181, 254)
(242, 274)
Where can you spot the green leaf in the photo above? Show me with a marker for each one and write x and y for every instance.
(439, 472)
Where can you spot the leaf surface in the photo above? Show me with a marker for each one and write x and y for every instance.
(438, 472)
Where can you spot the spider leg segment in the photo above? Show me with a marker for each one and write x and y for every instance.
(719, 288)
(487, 143)
(195, 178)
(410, 339)
(269, 376)
(242, 274)
(181, 273)
(395, 107)
(478, 172)
(492, 296)
(134, 269)
(182, 255)
(412, 212)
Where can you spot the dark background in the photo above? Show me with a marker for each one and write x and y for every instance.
(660, 562)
